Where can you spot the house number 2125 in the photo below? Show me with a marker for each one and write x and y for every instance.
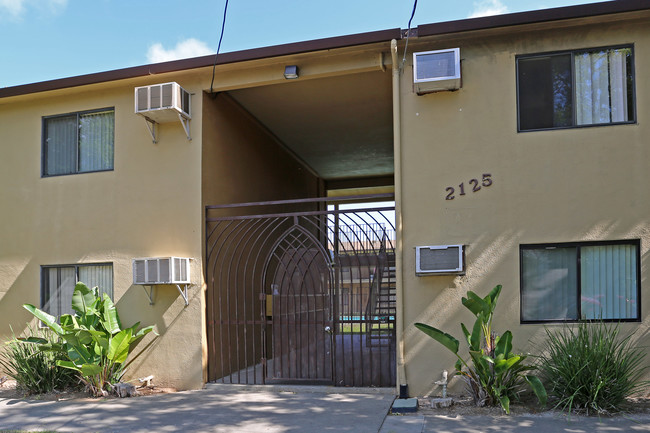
(474, 185)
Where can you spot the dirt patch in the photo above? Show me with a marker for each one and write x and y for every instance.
(8, 390)
(464, 405)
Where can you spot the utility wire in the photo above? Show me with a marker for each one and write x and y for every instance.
(408, 32)
(223, 26)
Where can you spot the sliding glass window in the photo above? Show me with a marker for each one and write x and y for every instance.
(576, 88)
(58, 284)
(78, 142)
(580, 281)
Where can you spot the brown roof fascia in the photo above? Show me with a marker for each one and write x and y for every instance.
(532, 17)
(204, 61)
(449, 27)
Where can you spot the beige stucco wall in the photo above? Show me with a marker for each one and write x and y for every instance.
(152, 203)
(148, 206)
(243, 162)
(548, 186)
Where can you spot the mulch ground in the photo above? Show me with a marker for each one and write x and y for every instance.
(8, 390)
(464, 405)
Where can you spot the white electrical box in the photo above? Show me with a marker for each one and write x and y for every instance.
(440, 260)
(436, 71)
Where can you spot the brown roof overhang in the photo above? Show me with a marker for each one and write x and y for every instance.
(533, 17)
(204, 61)
(449, 27)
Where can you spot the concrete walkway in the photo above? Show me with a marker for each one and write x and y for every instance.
(548, 422)
(248, 409)
(218, 408)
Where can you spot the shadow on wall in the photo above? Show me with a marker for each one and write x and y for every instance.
(489, 259)
(163, 356)
(134, 306)
(20, 291)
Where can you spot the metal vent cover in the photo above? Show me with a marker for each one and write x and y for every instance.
(163, 102)
(161, 270)
(142, 98)
(167, 92)
(439, 259)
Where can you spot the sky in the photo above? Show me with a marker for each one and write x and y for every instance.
(42, 40)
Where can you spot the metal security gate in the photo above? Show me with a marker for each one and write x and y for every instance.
(302, 291)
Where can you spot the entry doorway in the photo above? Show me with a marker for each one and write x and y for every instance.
(302, 291)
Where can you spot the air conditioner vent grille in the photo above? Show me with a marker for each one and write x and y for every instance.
(142, 94)
(167, 95)
(444, 259)
(139, 270)
(162, 102)
(161, 270)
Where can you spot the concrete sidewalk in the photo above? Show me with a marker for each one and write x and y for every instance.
(279, 409)
(548, 422)
(218, 408)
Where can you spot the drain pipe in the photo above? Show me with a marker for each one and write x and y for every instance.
(397, 155)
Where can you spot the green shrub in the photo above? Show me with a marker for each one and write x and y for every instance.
(591, 369)
(36, 371)
(92, 340)
(496, 375)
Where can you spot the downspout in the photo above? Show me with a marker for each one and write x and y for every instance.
(397, 155)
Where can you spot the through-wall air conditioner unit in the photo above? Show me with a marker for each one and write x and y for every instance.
(436, 71)
(161, 270)
(162, 103)
(439, 260)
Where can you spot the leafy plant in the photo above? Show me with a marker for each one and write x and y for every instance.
(93, 340)
(590, 369)
(496, 375)
(33, 370)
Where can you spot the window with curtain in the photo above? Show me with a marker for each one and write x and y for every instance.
(576, 88)
(580, 281)
(58, 284)
(78, 142)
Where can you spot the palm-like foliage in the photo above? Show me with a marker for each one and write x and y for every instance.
(93, 340)
(496, 375)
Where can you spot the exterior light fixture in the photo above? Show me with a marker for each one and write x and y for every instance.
(291, 72)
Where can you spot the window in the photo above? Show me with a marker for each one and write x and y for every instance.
(78, 142)
(578, 88)
(587, 281)
(58, 284)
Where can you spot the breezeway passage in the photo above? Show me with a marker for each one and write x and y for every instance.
(302, 291)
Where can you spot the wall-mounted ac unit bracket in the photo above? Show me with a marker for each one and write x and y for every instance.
(182, 289)
(151, 126)
(186, 126)
(160, 103)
